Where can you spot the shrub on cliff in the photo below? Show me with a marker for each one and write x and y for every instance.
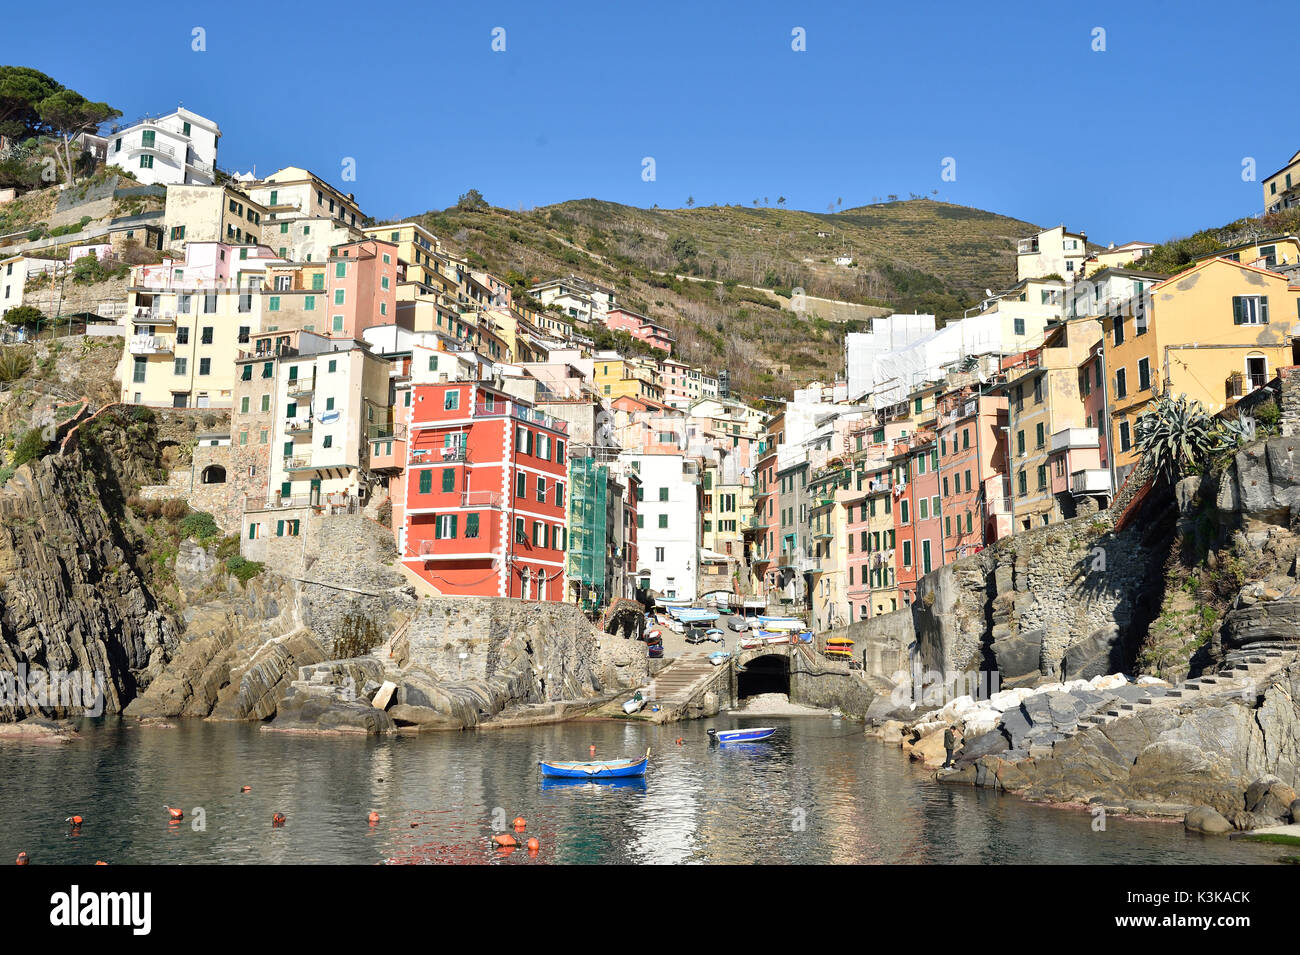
(1174, 437)
(29, 447)
(243, 569)
(174, 509)
(200, 526)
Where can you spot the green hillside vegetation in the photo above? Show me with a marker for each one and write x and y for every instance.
(1175, 255)
(703, 271)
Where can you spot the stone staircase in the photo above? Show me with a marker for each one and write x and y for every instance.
(680, 681)
(1244, 670)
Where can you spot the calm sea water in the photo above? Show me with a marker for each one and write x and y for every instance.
(818, 792)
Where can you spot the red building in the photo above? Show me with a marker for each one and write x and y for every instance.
(485, 493)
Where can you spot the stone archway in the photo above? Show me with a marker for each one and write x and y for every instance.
(213, 474)
(767, 673)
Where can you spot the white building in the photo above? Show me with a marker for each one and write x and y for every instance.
(1051, 252)
(177, 149)
(576, 297)
(862, 350)
(668, 523)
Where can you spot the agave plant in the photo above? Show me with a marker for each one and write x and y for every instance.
(14, 363)
(1173, 435)
(1231, 435)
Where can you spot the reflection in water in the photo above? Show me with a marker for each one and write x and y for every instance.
(817, 792)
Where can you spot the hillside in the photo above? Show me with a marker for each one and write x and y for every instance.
(914, 255)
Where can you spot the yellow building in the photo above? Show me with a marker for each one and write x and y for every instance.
(1046, 415)
(1266, 253)
(1282, 188)
(618, 377)
(1214, 332)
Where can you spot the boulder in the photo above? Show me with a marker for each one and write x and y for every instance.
(423, 717)
(1269, 796)
(1207, 821)
(1098, 654)
(1019, 654)
(323, 710)
(384, 695)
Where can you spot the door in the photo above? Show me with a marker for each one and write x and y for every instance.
(180, 400)
(314, 493)
(1257, 371)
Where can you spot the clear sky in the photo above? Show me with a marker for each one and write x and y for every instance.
(1142, 141)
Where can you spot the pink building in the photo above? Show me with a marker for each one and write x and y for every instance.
(640, 327)
(361, 286)
(858, 561)
(207, 265)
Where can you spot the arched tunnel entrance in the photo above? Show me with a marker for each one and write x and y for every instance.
(769, 673)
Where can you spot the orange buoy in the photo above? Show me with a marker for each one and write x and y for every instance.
(679, 741)
(506, 840)
(176, 814)
(75, 820)
(533, 845)
(22, 859)
(520, 824)
(373, 817)
(245, 789)
(277, 819)
(100, 862)
(593, 749)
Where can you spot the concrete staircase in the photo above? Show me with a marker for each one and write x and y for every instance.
(1244, 670)
(680, 681)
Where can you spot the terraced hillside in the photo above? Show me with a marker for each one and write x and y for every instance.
(704, 271)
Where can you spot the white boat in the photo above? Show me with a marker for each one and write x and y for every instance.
(635, 704)
(719, 657)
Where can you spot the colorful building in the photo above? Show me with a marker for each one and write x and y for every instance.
(485, 507)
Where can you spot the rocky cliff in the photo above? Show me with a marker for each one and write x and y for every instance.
(75, 599)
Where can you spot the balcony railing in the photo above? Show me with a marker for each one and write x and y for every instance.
(1090, 481)
(301, 386)
(1070, 439)
(150, 345)
(488, 499)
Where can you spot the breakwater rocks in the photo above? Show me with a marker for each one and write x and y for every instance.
(1227, 745)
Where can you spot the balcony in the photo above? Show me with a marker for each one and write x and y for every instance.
(1027, 246)
(1075, 439)
(999, 506)
(151, 316)
(299, 387)
(1091, 481)
(150, 345)
(387, 454)
(481, 499)
(298, 426)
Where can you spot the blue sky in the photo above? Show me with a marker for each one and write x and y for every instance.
(1142, 141)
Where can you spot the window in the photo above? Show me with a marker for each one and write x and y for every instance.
(907, 553)
(1022, 484)
(521, 486)
(205, 366)
(146, 162)
(1121, 383)
(247, 374)
(426, 481)
(1039, 435)
(1250, 310)
(243, 405)
(903, 511)
(663, 520)
(1042, 477)
(1144, 374)
(178, 232)
(445, 527)
(1119, 330)
(663, 494)
(521, 537)
(178, 366)
(205, 335)
(328, 442)
(137, 373)
(451, 401)
(1018, 327)
(1125, 441)
(448, 479)
(541, 489)
(471, 525)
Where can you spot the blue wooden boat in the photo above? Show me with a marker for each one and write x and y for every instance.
(607, 769)
(752, 735)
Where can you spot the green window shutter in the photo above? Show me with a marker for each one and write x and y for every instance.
(291, 410)
(448, 479)
(453, 525)
(288, 449)
(426, 481)
(437, 528)
(1236, 310)
(1263, 309)
(247, 375)
(471, 525)
(285, 489)
(341, 270)
(279, 528)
